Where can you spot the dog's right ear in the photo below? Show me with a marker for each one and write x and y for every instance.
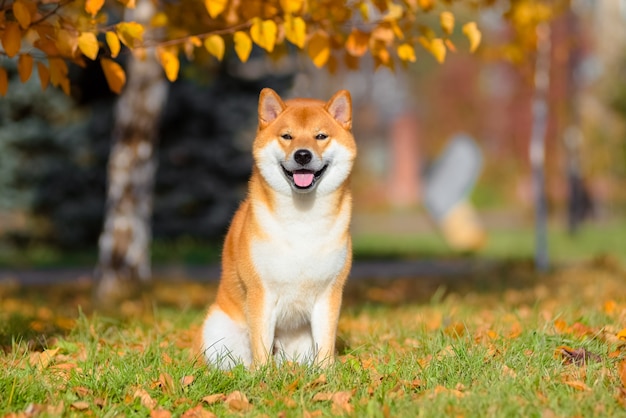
(270, 106)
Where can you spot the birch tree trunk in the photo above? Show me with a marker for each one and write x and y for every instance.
(537, 144)
(124, 245)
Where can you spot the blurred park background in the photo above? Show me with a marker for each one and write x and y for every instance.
(54, 150)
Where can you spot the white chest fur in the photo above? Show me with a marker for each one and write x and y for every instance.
(300, 256)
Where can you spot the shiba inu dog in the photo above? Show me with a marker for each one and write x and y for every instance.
(288, 251)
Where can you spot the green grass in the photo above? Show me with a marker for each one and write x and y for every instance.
(515, 243)
(487, 349)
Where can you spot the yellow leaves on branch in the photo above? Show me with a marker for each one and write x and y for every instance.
(25, 67)
(88, 45)
(243, 45)
(446, 20)
(114, 43)
(215, 45)
(93, 6)
(130, 33)
(357, 43)
(168, 58)
(406, 52)
(295, 30)
(114, 74)
(58, 74)
(292, 6)
(390, 35)
(215, 7)
(470, 30)
(4, 82)
(263, 33)
(44, 75)
(11, 39)
(22, 13)
(319, 48)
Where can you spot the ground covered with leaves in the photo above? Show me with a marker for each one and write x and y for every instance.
(504, 342)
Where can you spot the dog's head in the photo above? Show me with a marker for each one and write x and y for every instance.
(304, 145)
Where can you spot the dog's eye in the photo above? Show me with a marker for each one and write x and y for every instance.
(286, 137)
(321, 136)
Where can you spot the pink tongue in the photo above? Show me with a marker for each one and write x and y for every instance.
(303, 178)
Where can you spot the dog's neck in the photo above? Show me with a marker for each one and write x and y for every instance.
(311, 203)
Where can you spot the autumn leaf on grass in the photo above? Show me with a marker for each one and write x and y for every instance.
(577, 384)
(80, 405)
(215, 398)
(320, 381)
(145, 398)
(187, 380)
(160, 413)
(198, 412)
(165, 382)
(42, 360)
(577, 356)
(237, 401)
(340, 401)
(621, 370)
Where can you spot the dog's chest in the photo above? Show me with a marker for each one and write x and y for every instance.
(300, 254)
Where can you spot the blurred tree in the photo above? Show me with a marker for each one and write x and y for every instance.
(61, 31)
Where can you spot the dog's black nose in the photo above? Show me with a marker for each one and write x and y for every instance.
(303, 156)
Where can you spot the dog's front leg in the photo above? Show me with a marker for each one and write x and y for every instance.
(324, 321)
(262, 322)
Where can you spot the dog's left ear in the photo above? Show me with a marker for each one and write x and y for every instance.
(340, 108)
(270, 106)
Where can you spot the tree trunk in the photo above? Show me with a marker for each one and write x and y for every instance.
(537, 144)
(124, 245)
